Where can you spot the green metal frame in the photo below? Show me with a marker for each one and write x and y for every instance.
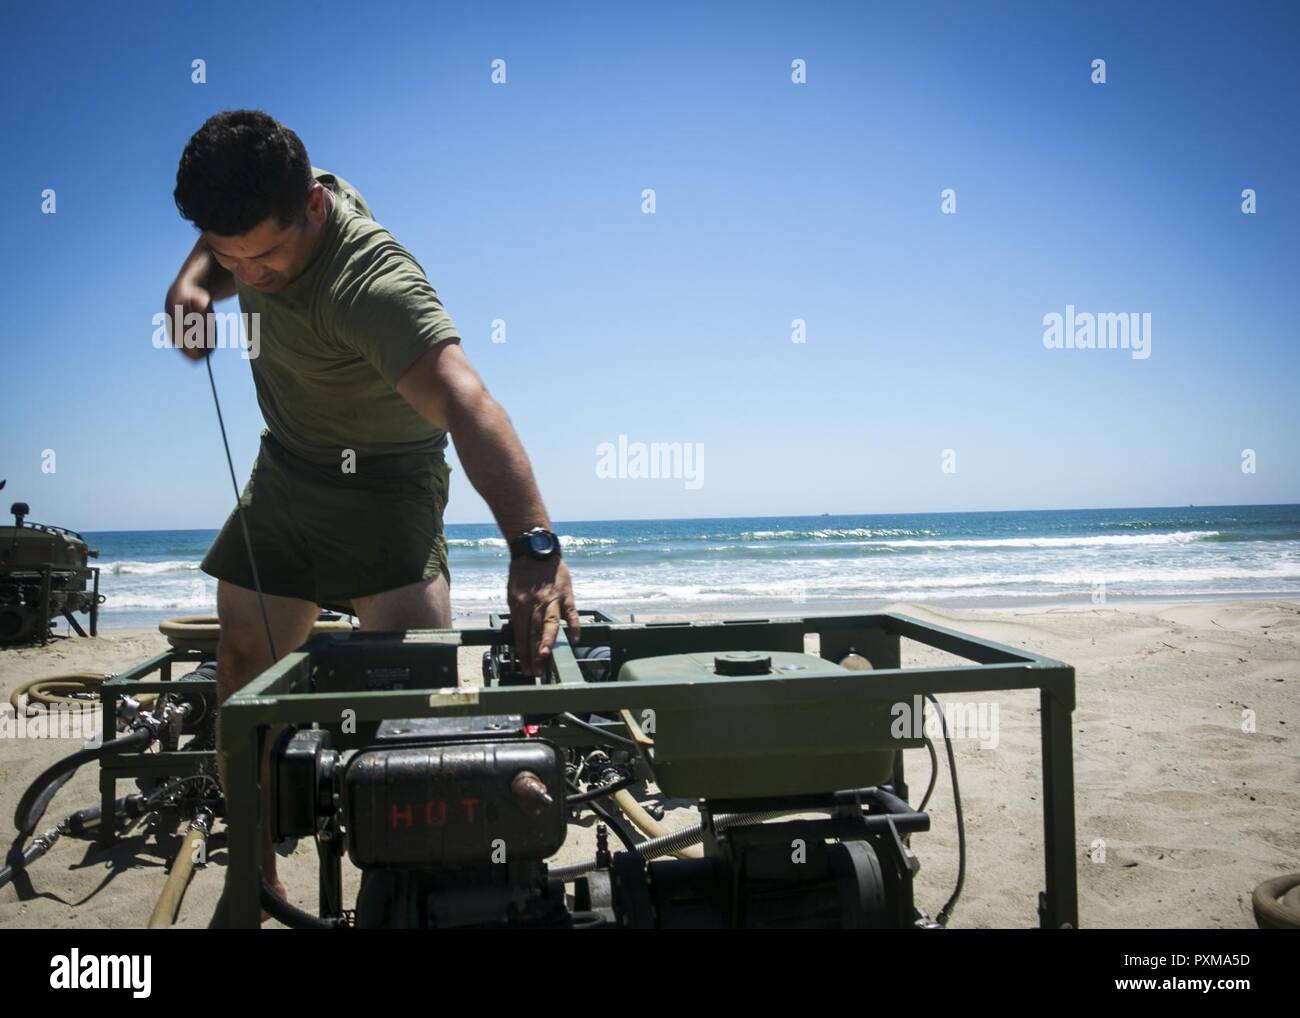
(125, 766)
(283, 695)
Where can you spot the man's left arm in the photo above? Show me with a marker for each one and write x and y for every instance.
(445, 389)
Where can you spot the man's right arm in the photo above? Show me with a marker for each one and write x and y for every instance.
(200, 283)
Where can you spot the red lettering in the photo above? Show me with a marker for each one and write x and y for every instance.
(469, 805)
(406, 814)
(429, 813)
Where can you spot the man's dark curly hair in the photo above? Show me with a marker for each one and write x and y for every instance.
(239, 168)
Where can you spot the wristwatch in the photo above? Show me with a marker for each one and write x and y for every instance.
(537, 543)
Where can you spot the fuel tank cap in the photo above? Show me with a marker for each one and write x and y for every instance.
(742, 662)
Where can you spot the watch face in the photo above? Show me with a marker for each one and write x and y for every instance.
(541, 543)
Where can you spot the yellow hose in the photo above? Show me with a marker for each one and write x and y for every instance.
(1275, 905)
(200, 632)
(56, 690)
(169, 902)
(649, 825)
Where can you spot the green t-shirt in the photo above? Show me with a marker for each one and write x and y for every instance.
(334, 341)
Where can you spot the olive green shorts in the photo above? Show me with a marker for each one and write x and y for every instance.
(327, 536)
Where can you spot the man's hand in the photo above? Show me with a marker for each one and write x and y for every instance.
(540, 594)
(200, 283)
(191, 298)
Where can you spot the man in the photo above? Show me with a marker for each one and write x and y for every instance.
(361, 377)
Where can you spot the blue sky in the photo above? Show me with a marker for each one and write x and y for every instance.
(775, 201)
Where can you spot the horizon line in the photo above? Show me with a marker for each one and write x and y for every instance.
(798, 516)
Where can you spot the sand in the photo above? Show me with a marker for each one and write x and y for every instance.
(1180, 812)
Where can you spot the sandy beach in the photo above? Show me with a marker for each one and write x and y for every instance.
(1191, 810)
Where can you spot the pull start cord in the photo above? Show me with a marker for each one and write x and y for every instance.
(239, 510)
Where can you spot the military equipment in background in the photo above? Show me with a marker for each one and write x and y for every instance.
(44, 575)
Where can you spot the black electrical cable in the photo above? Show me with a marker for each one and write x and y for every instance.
(600, 791)
(945, 913)
(239, 511)
(621, 828)
(934, 774)
(607, 737)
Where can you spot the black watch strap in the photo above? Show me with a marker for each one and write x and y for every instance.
(538, 543)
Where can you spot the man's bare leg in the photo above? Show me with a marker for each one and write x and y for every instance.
(242, 655)
(425, 604)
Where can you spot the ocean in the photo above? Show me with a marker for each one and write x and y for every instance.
(807, 564)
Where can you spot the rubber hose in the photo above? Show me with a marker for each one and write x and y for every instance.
(648, 825)
(293, 916)
(20, 860)
(692, 835)
(616, 822)
(42, 844)
(51, 690)
(204, 629)
(78, 823)
(26, 817)
(1270, 913)
(87, 819)
(42, 803)
(676, 840)
(169, 902)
